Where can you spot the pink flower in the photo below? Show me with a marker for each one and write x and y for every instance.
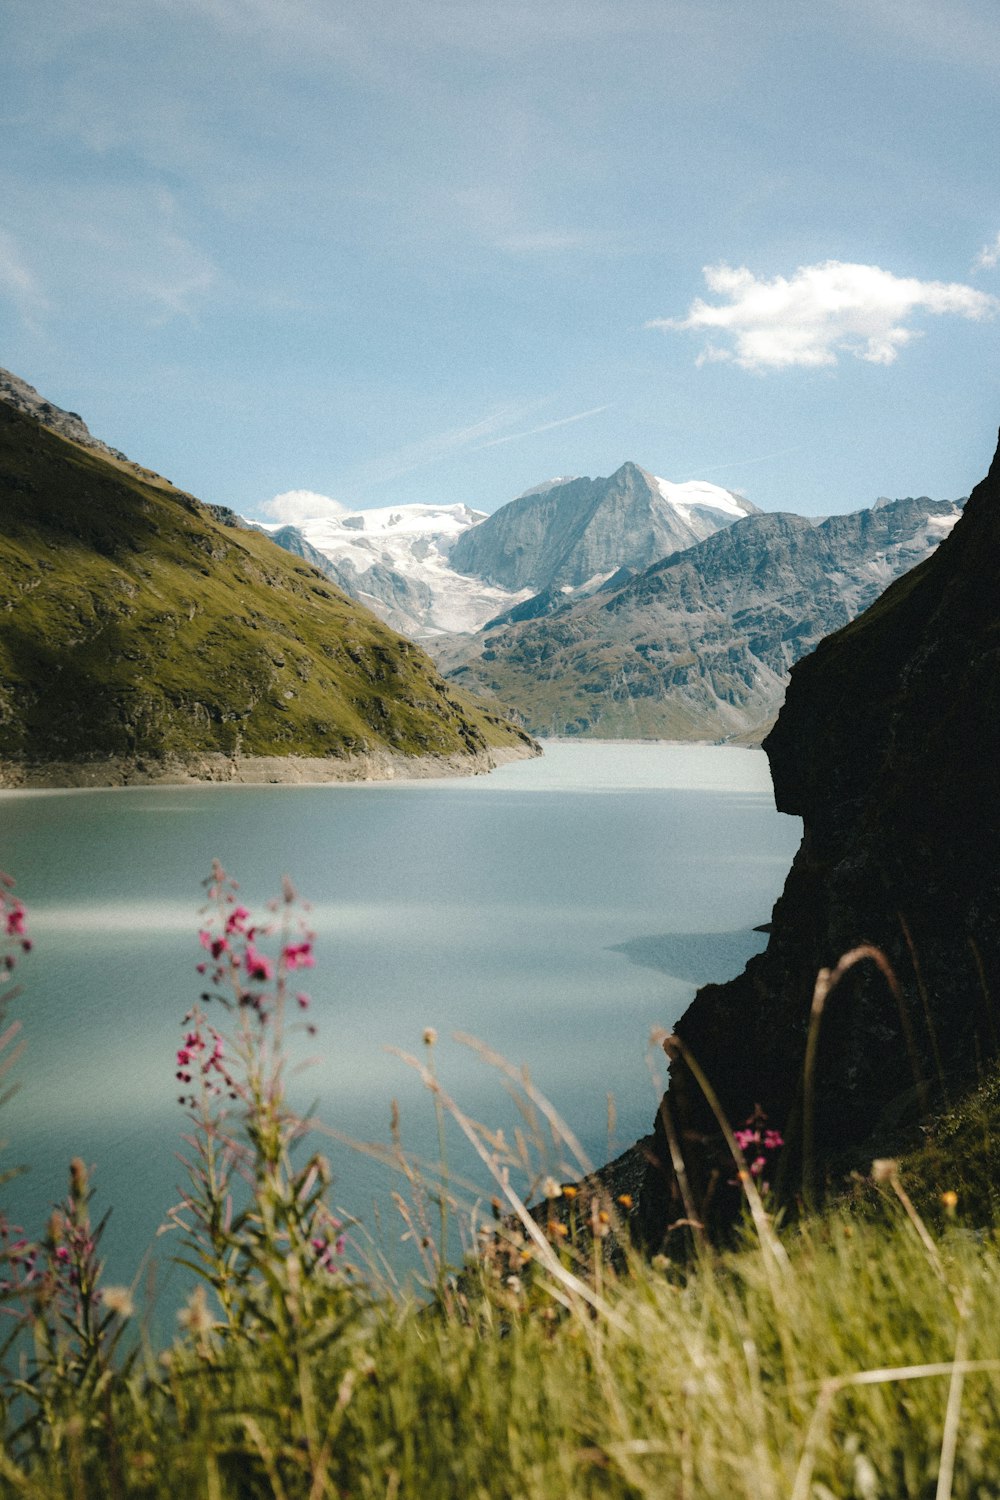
(298, 956)
(303, 1001)
(257, 966)
(237, 917)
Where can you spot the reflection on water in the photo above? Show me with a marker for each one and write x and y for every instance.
(514, 907)
(698, 957)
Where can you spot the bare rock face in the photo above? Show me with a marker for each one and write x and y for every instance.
(568, 532)
(888, 747)
(69, 424)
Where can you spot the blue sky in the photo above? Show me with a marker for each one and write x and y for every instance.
(441, 250)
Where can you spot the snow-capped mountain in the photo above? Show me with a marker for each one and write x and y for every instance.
(576, 532)
(395, 559)
(448, 569)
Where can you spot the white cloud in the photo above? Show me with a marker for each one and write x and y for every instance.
(294, 506)
(17, 282)
(988, 257)
(809, 318)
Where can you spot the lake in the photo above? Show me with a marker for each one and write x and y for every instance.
(557, 909)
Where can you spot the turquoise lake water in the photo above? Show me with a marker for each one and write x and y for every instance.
(557, 909)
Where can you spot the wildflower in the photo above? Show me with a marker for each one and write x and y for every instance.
(195, 1317)
(569, 1191)
(303, 1001)
(551, 1188)
(216, 946)
(625, 1199)
(884, 1169)
(950, 1201)
(298, 956)
(326, 1250)
(118, 1299)
(430, 1036)
(257, 965)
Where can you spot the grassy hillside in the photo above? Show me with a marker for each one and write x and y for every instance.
(135, 625)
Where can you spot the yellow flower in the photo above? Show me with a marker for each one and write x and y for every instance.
(950, 1201)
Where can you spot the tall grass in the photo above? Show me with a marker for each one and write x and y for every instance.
(849, 1354)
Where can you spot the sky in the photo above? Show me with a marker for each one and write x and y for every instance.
(443, 250)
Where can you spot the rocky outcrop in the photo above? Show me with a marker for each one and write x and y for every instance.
(887, 747)
(24, 398)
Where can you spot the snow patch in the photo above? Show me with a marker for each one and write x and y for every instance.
(698, 492)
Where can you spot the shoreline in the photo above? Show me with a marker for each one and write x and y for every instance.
(215, 769)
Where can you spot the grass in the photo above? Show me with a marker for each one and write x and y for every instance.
(851, 1352)
(134, 624)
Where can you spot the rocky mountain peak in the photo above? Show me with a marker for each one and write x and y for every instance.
(68, 424)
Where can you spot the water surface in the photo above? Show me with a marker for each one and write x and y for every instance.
(557, 909)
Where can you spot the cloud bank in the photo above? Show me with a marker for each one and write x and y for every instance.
(823, 310)
(293, 506)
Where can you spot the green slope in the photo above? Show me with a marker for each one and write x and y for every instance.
(135, 625)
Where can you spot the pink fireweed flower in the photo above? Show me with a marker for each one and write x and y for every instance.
(236, 920)
(298, 956)
(257, 966)
(326, 1250)
(216, 946)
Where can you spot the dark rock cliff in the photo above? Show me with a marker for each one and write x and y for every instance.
(888, 747)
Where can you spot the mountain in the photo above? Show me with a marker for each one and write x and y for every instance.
(570, 532)
(887, 747)
(396, 561)
(435, 570)
(24, 398)
(144, 635)
(699, 645)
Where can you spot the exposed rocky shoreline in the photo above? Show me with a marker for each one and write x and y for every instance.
(255, 770)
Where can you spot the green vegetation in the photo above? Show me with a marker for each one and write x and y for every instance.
(136, 625)
(852, 1353)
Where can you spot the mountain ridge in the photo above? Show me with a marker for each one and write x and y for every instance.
(699, 645)
(141, 637)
